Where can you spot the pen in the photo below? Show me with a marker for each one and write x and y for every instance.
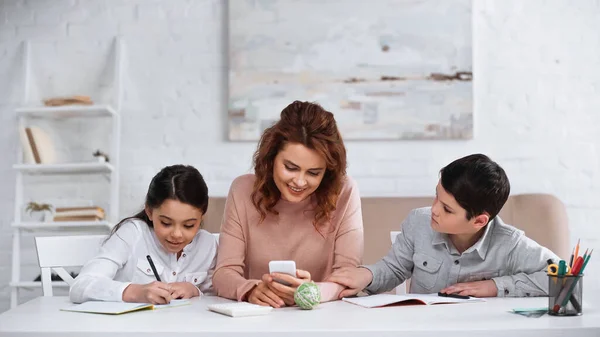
(153, 268)
(464, 297)
(571, 260)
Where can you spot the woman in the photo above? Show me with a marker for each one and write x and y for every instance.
(167, 230)
(298, 205)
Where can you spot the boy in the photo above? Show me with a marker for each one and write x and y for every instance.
(459, 245)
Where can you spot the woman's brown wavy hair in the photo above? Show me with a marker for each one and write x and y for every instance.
(314, 127)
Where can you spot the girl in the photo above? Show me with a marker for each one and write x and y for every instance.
(299, 205)
(167, 229)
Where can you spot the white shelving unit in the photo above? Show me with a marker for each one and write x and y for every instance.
(67, 168)
(62, 225)
(110, 170)
(67, 111)
(32, 284)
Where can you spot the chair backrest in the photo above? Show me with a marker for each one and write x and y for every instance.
(393, 235)
(56, 252)
(403, 288)
(542, 216)
(214, 215)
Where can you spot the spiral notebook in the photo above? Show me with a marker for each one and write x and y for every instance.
(118, 308)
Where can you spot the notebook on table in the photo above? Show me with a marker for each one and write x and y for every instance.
(239, 309)
(381, 300)
(117, 308)
(172, 304)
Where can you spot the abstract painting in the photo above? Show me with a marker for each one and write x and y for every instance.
(387, 69)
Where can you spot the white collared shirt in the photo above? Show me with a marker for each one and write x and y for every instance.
(122, 261)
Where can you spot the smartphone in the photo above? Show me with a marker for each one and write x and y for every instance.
(283, 267)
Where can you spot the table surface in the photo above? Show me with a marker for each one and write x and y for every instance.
(42, 317)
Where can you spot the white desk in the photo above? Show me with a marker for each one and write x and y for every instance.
(41, 317)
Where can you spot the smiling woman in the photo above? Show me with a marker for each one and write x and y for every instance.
(299, 205)
(168, 231)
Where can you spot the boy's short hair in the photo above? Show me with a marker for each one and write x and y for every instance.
(478, 184)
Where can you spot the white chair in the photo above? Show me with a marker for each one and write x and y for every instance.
(404, 287)
(393, 235)
(56, 252)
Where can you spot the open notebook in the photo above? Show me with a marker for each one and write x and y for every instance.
(117, 308)
(381, 300)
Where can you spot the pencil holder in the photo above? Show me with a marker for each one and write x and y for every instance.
(565, 295)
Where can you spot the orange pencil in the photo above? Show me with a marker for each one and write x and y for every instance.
(577, 249)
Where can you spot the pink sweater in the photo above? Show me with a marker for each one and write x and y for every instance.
(246, 247)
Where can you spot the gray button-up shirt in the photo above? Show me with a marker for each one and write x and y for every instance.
(504, 254)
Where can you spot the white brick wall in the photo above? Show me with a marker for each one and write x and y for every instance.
(537, 94)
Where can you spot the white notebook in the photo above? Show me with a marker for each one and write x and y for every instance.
(239, 309)
(173, 303)
(381, 300)
(117, 308)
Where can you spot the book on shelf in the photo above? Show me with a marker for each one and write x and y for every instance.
(70, 100)
(77, 218)
(82, 208)
(87, 213)
(34, 150)
(28, 157)
(38, 147)
(77, 213)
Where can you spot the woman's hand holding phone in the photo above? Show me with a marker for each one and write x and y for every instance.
(283, 280)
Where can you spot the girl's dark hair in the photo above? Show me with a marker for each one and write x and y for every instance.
(178, 182)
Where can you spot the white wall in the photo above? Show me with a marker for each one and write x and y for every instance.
(537, 94)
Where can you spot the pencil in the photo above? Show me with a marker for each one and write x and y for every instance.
(586, 260)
